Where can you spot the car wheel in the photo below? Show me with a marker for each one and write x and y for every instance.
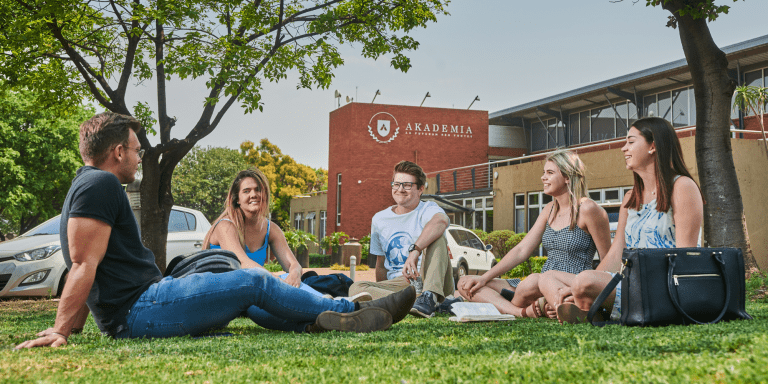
(62, 281)
(460, 271)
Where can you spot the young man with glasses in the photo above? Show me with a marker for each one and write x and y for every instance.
(114, 277)
(409, 244)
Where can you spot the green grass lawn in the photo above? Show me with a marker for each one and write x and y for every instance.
(413, 351)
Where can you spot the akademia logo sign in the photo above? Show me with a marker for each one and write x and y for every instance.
(383, 127)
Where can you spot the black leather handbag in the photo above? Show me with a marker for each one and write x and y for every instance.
(664, 286)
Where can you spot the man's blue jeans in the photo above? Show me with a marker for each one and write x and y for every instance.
(207, 301)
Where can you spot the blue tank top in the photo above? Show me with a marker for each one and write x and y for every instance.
(259, 255)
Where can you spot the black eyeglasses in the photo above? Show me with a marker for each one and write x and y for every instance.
(406, 186)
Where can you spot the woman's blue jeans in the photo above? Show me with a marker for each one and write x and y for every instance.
(207, 301)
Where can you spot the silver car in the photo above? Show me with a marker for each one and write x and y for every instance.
(33, 265)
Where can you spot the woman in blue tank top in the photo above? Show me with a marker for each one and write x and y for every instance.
(245, 229)
(663, 210)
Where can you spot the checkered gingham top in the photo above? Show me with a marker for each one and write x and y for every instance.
(568, 250)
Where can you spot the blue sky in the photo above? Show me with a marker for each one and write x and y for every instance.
(506, 52)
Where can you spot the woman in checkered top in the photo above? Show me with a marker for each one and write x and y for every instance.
(571, 228)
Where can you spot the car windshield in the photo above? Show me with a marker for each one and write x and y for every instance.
(50, 227)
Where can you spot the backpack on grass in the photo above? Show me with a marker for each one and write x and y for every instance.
(209, 260)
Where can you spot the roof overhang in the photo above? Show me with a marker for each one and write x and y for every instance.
(744, 56)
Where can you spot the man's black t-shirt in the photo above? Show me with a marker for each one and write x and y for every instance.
(128, 268)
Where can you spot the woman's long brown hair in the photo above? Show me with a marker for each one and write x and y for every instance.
(669, 162)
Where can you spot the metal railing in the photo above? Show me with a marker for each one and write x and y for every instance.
(479, 176)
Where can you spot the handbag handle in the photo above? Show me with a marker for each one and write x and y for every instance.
(670, 284)
(602, 296)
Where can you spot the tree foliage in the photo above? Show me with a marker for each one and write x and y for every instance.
(98, 48)
(38, 158)
(202, 179)
(287, 178)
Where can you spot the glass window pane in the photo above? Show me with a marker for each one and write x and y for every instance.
(191, 221)
(488, 221)
(595, 195)
(584, 127)
(560, 134)
(632, 111)
(573, 126)
(538, 137)
(545, 199)
(754, 78)
(533, 198)
(533, 214)
(456, 234)
(649, 106)
(612, 196)
(621, 120)
(177, 222)
(478, 220)
(692, 106)
(680, 108)
(489, 202)
(519, 220)
(603, 124)
(519, 200)
(551, 133)
(665, 106)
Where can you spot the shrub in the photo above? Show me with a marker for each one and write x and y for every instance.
(499, 241)
(298, 239)
(358, 267)
(513, 241)
(366, 243)
(334, 241)
(532, 265)
(273, 266)
(319, 261)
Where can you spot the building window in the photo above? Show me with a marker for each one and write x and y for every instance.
(322, 224)
(297, 222)
(338, 199)
(680, 108)
(519, 213)
(311, 222)
(536, 202)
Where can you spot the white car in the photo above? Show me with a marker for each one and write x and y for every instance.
(33, 265)
(468, 254)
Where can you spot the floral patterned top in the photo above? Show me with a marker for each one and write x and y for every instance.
(649, 228)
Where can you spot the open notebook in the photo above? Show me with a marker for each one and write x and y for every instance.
(468, 312)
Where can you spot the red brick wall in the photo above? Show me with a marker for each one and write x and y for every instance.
(355, 154)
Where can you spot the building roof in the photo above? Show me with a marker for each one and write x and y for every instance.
(742, 56)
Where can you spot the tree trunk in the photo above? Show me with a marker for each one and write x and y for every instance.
(713, 89)
(155, 209)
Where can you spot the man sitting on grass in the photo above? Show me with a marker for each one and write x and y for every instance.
(399, 234)
(112, 274)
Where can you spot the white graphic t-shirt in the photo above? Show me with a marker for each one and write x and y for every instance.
(393, 234)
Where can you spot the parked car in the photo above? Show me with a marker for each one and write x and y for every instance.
(33, 265)
(468, 254)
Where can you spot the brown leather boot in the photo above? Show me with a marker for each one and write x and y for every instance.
(362, 321)
(397, 304)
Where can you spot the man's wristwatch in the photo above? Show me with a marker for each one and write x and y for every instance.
(414, 247)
